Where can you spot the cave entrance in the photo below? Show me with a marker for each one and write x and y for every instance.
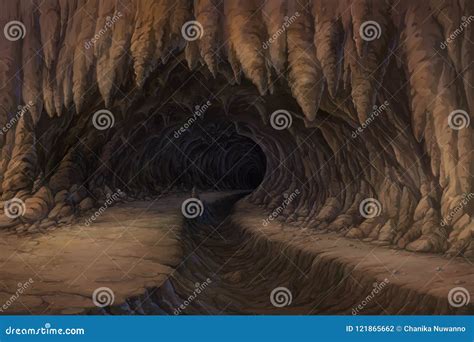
(208, 155)
(214, 156)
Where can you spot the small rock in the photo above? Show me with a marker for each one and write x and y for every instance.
(21, 229)
(438, 269)
(33, 229)
(61, 196)
(86, 204)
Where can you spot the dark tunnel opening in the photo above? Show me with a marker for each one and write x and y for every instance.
(212, 156)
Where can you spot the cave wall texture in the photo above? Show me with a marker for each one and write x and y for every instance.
(374, 98)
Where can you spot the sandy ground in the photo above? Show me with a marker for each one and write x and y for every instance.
(129, 247)
(134, 248)
(431, 276)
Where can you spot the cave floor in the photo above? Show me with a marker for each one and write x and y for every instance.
(242, 262)
(144, 253)
(129, 247)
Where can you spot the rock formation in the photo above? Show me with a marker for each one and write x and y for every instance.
(375, 98)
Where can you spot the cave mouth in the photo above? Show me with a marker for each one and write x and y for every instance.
(205, 155)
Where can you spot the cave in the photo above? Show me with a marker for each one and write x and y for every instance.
(237, 157)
